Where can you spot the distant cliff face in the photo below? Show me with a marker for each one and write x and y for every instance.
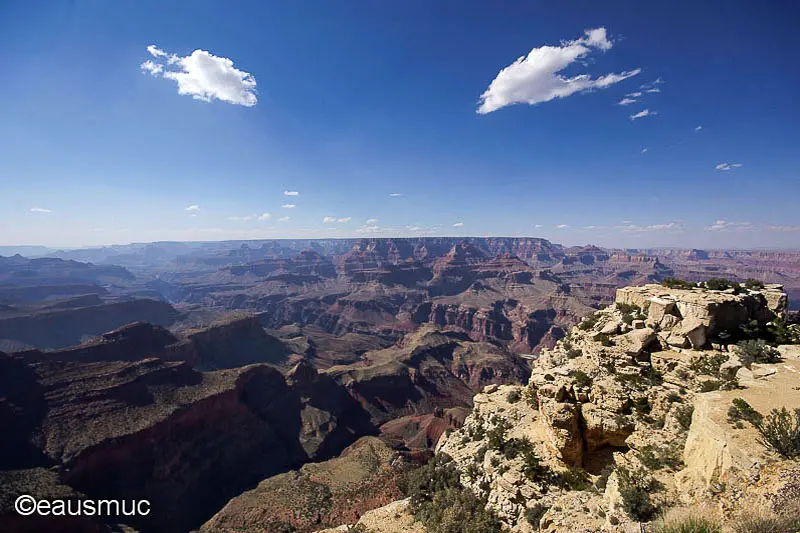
(147, 428)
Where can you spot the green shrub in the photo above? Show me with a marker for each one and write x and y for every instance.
(588, 323)
(634, 489)
(581, 378)
(765, 522)
(780, 332)
(674, 397)
(781, 432)
(648, 457)
(710, 385)
(497, 435)
(532, 397)
(574, 478)
(677, 283)
(628, 309)
(687, 524)
(719, 284)
(573, 353)
(477, 431)
(741, 410)
(511, 448)
(683, 414)
(442, 504)
(757, 351)
(605, 339)
(753, 284)
(708, 364)
(513, 396)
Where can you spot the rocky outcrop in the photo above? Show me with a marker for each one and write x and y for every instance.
(612, 402)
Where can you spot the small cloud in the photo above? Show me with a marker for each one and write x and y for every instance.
(344, 220)
(153, 68)
(372, 221)
(698, 128)
(203, 76)
(283, 219)
(627, 226)
(39, 210)
(634, 95)
(414, 228)
(193, 207)
(562, 226)
(727, 166)
(644, 113)
(644, 150)
(736, 165)
(627, 101)
(653, 90)
(291, 193)
(244, 218)
(783, 228)
(264, 216)
(458, 225)
(537, 225)
(288, 206)
(328, 220)
(396, 194)
(724, 225)
(648, 87)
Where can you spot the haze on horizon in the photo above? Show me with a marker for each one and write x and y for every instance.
(621, 125)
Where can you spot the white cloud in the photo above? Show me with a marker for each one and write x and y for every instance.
(288, 206)
(204, 76)
(783, 228)
(698, 128)
(283, 219)
(458, 225)
(344, 220)
(156, 52)
(244, 218)
(328, 220)
(627, 101)
(153, 68)
(634, 95)
(372, 221)
(414, 228)
(39, 210)
(368, 229)
(653, 90)
(537, 225)
(651, 227)
(396, 194)
(644, 113)
(644, 150)
(535, 78)
(648, 87)
(562, 226)
(264, 216)
(193, 207)
(724, 225)
(727, 166)
(291, 193)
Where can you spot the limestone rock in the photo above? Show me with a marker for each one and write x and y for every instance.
(562, 426)
(636, 341)
(602, 427)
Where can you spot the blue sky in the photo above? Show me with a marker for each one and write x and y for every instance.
(398, 118)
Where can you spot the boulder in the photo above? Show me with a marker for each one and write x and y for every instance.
(658, 308)
(602, 427)
(562, 427)
(636, 341)
(695, 331)
(729, 369)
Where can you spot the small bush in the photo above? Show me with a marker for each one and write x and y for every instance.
(757, 351)
(753, 284)
(628, 309)
(780, 332)
(497, 435)
(719, 284)
(573, 353)
(687, 524)
(588, 323)
(441, 504)
(477, 431)
(581, 378)
(634, 488)
(710, 385)
(766, 522)
(534, 514)
(741, 410)
(674, 397)
(708, 365)
(781, 432)
(532, 397)
(677, 283)
(683, 414)
(605, 339)
(513, 396)
(575, 478)
(648, 457)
